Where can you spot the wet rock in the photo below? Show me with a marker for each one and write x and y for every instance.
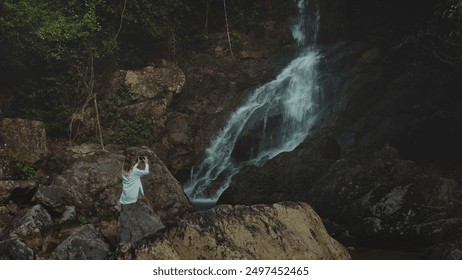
(387, 201)
(279, 231)
(285, 177)
(379, 198)
(136, 221)
(86, 243)
(390, 173)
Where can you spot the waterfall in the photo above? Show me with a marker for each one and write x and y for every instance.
(291, 99)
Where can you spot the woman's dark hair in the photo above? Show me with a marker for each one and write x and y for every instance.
(129, 162)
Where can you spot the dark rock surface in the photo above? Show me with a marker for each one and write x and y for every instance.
(15, 249)
(136, 221)
(384, 161)
(50, 196)
(86, 243)
(29, 224)
(26, 234)
(451, 250)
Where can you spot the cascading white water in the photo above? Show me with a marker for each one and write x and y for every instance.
(290, 97)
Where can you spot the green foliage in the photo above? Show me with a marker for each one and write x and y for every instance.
(129, 133)
(119, 130)
(24, 171)
(110, 106)
(245, 14)
(125, 93)
(83, 220)
(53, 31)
(46, 45)
(51, 98)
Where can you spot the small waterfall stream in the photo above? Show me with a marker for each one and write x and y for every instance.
(291, 98)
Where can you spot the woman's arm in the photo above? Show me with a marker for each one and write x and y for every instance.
(141, 172)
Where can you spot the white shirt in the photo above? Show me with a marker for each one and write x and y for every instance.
(131, 185)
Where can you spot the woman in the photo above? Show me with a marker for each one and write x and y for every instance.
(131, 182)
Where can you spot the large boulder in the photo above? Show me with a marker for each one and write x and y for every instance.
(86, 243)
(92, 183)
(129, 95)
(279, 231)
(150, 82)
(22, 141)
(26, 234)
(163, 191)
(31, 223)
(51, 196)
(386, 201)
(136, 221)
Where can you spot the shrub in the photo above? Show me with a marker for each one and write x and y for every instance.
(129, 133)
(24, 171)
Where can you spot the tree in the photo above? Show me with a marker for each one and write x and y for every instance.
(47, 45)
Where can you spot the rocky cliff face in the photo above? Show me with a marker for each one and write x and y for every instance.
(279, 231)
(184, 106)
(81, 185)
(72, 205)
(383, 165)
(382, 168)
(76, 216)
